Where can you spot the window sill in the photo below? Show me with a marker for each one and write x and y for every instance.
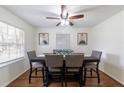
(11, 61)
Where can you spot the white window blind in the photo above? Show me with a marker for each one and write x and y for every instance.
(11, 42)
(62, 41)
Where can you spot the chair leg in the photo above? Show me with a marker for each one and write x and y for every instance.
(43, 76)
(65, 81)
(81, 81)
(65, 77)
(62, 77)
(91, 72)
(47, 78)
(36, 71)
(30, 75)
(85, 74)
(98, 76)
(61, 80)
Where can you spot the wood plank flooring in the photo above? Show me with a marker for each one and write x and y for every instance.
(22, 81)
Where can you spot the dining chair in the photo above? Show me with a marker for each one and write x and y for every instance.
(74, 67)
(54, 68)
(92, 64)
(36, 64)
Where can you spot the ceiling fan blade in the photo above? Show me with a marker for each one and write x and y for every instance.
(58, 24)
(52, 18)
(76, 16)
(71, 24)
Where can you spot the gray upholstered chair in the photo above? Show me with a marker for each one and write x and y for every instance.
(36, 63)
(92, 63)
(74, 67)
(54, 68)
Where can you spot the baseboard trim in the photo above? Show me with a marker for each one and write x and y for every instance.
(6, 84)
(111, 78)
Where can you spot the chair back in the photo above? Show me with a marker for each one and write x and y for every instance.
(96, 54)
(74, 60)
(31, 55)
(53, 60)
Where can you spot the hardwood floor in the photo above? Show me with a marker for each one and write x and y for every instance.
(106, 81)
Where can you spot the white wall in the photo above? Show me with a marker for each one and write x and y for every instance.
(108, 36)
(11, 71)
(63, 30)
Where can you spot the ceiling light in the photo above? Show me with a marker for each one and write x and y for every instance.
(64, 22)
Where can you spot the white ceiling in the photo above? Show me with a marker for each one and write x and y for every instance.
(36, 14)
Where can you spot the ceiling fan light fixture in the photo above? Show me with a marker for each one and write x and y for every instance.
(64, 15)
(64, 22)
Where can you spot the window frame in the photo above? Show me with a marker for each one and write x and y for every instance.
(22, 33)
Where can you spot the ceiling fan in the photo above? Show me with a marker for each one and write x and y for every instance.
(64, 17)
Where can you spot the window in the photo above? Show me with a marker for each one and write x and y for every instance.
(11, 42)
(62, 41)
